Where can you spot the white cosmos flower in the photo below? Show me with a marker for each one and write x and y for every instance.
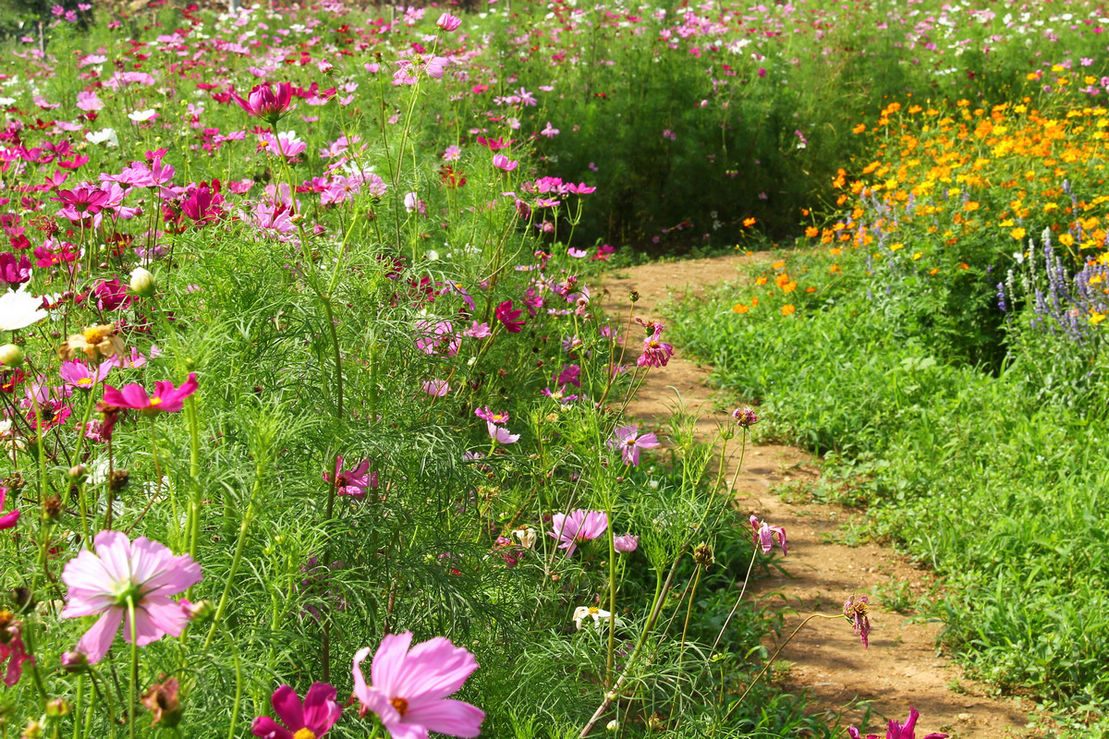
(140, 116)
(599, 616)
(19, 310)
(103, 136)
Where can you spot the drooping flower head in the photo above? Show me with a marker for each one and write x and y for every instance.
(577, 526)
(409, 687)
(309, 720)
(765, 535)
(656, 352)
(166, 397)
(629, 441)
(141, 573)
(898, 730)
(857, 612)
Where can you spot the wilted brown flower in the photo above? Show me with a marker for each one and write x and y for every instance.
(99, 341)
(161, 699)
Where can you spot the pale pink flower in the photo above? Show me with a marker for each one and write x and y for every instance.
(629, 441)
(436, 388)
(449, 22)
(143, 573)
(577, 526)
(500, 434)
(626, 543)
(500, 161)
(409, 687)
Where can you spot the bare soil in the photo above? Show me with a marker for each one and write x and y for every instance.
(902, 667)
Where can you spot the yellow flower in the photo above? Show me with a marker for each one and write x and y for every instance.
(1017, 233)
(98, 340)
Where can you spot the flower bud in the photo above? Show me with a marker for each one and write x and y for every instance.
(74, 662)
(11, 355)
(77, 472)
(56, 708)
(142, 282)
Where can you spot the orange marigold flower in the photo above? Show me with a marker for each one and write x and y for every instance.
(760, 280)
(788, 309)
(859, 128)
(789, 287)
(812, 232)
(740, 308)
(748, 222)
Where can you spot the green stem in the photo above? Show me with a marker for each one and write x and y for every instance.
(746, 579)
(134, 669)
(194, 474)
(767, 666)
(610, 662)
(237, 558)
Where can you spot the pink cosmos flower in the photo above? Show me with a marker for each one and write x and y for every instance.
(436, 388)
(656, 353)
(577, 526)
(509, 316)
(12, 649)
(897, 730)
(449, 22)
(629, 441)
(144, 573)
(409, 687)
(265, 103)
(353, 482)
(313, 718)
(8, 519)
(765, 535)
(500, 161)
(500, 434)
(166, 398)
(486, 414)
(626, 543)
(77, 374)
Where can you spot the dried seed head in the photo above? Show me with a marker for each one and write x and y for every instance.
(118, 480)
(702, 554)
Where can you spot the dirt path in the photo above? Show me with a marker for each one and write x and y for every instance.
(901, 668)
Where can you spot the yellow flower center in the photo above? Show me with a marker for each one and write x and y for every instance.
(155, 400)
(400, 704)
(96, 334)
(594, 610)
(84, 381)
(304, 734)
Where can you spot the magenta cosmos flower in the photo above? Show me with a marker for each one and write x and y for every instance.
(265, 103)
(409, 687)
(144, 573)
(7, 520)
(897, 730)
(577, 526)
(629, 441)
(765, 535)
(354, 481)
(166, 397)
(309, 720)
(656, 352)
